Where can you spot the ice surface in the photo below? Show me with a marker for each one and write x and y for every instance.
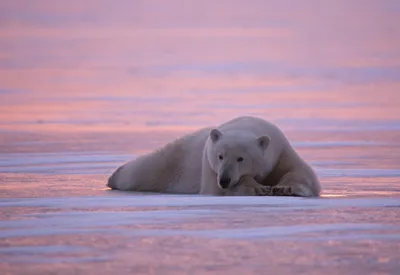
(119, 230)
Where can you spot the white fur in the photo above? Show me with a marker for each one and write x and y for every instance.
(191, 164)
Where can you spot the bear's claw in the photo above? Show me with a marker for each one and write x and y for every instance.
(263, 191)
(282, 191)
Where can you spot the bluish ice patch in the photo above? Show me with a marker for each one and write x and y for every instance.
(326, 105)
(10, 91)
(49, 254)
(52, 231)
(104, 222)
(352, 237)
(73, 260)
(33, 250)
(43, 18)
(258, 89)
(133, 99)
(33, 62)
(354, 173)
(303, 124)
(91, 121)
(233, 67)
(76, 220)
(334, 144)
(31, 143)
(115, 199)
(268, 232)
(317, 124)
(292, 232)
(352, 74)
(70, 169)
(173, 122)
(26, 159)
(61, 163)
(327, 163)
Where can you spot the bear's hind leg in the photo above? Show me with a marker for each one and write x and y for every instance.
(112, 180)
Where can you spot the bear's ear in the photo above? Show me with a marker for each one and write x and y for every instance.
(215, 135)
(263, 142)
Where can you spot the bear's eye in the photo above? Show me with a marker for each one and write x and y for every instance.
(239, 159)
(220, 157)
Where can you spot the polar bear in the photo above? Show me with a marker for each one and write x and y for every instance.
(244, 156)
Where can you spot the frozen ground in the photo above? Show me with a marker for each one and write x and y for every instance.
(107, 232)
(190, 235)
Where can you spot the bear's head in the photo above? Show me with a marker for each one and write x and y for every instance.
(233, 154)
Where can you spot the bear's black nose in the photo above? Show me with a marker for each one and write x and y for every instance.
(224, 182)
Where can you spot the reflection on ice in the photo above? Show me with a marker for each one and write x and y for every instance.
(73, 229)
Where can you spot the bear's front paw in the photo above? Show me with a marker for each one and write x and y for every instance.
(283, 191)
(263, 190)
